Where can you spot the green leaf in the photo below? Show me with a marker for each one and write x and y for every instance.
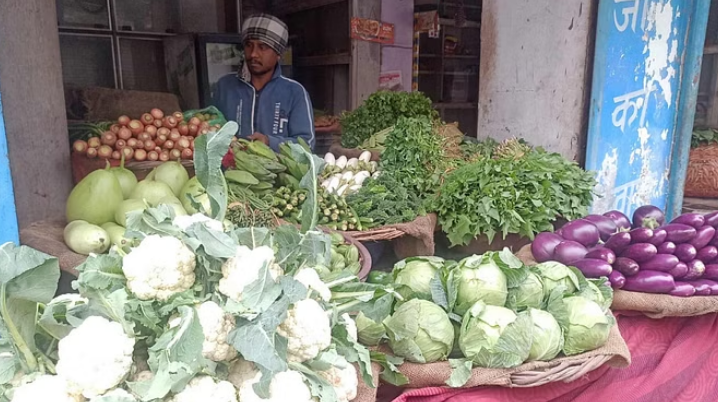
(353, 352)
(310, 208)
(181, 343)
(151, 221)
(253, 237)
(438, 293)
(209, 150)
(319, 387)
(326, 360)
(8, 367)
(460, 372)
(216, 244)
(102, 271)
(256, 344)
(390, 365)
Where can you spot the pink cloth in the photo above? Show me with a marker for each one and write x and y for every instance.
(674, 360)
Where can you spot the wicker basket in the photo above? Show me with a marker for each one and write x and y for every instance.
(702, 173)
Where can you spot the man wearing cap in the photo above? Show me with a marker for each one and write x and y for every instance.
(268, 107)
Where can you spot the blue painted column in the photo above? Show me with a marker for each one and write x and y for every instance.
(8, 216)
(645, 57)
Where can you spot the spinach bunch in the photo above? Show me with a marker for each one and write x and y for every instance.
(381, 110)
(704, 137)
(509, 195)
(386, 202)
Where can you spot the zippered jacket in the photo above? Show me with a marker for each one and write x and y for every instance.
(282, 110)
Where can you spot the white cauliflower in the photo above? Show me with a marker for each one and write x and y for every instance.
(344, 380)
(240, 271)
(351, 327)
(310, 278)
(241, 371)
(159, 268)
(46, 388)
(307, 330)
(116, 395)
(285, 386)
(216, 325)
(95, 357)
(185, 221)
(204, 388)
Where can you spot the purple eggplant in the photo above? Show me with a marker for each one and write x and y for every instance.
(593, 267)
(704, 236)
(568, 251)
(618, 242)
(707, 254)
(679, 233)
(621, 220)
(659, 237)
(661, 262)
(617, 280)
(648, 216)
(640, 252)
(544, 246)
(667, 248)
(696, 268)
(626, 266)
(641, 235)
(691, 219)
(606, 226)
(711, 272)
(711, 219)
(650, 282)
(679, 271)
(683, 289)
(686, 252)
(702, 288)
(582, 231)
(702, 283)
(602, 253)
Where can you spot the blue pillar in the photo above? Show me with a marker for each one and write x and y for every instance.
(8, 216)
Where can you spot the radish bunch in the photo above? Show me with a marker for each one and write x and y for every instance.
(644, 254)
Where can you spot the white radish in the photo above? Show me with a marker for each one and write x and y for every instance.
(360, 177)
(333, 185)
(325, 183)
(353, 163)
(342, 190)
(347, 176)
(353, 189)
(341, 162)
(376, 175)
(373, 166)
(329, 159)
(365, 156)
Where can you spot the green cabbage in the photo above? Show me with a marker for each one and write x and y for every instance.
(547, 336)
(586, 325)
(370, 332)
(479, 278)
(528, 294)
(555, 274)
(420, 331)
(416, 273)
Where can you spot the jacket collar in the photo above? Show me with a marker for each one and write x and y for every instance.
(277, 74)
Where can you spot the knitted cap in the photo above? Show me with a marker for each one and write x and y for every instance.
(267, 29)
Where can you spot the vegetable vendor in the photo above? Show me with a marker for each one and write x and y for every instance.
(269, 107)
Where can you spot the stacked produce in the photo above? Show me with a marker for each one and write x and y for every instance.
(489, 311)
(344, 176)
(646, 254)
(384, 201)
(153, 137)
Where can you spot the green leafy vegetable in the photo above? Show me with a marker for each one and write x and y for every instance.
(208, 153)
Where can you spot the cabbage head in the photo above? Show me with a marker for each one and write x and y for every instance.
(547, 336)
(599, 291)
(416, 273)
(586, 325)
(528, 294)
(370, 332)
(555, 274)
(495, 337)
(479, 278)
(420, 331)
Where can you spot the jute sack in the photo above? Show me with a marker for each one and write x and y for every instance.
(410, 239)
(46, 236)
(365, 393)
(652, 305)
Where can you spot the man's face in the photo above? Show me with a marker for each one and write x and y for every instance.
(261, 59)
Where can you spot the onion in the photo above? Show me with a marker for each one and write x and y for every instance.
(128, 153)
(175, 135)
(164, 131)
(187, 154)
(153, 155)
(204, 132)
(157, 113)
(116, 155)
(191, 143)
(158, 149)
(147, 119)
(94, 142)
(151, 130)
(136, 127)
(164, 156)
(195, 121)
(217, 127)
(124, 133)
(169, 122)
(169, 144)
(178, 116)
(175, 154)
(120, 144)
(158, 123)
(193, 129)
(108, 138)
(150, 145)
(80, 146)
(115, 128)
(91, 153)
(140, 155)
(160, 139)
(183, 129)
(133, 143)
(143, 137)
(123, 120)
(183, 143)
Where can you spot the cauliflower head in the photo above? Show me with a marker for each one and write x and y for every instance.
(115, 395)
(159, 267)
(216, 325)
(95, 357)
(185, 221)
(310, 279)
(285, 386)
(46, 388)
(241, 371)
(243, 269)
(344, 380)
(307, 330)
(351, 327)
(204, 388)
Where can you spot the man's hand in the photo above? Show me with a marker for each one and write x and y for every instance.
(259, 137)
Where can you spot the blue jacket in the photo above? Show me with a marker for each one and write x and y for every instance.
(281, 110)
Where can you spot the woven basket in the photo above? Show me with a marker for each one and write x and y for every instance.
(702, 173)
(378, 234)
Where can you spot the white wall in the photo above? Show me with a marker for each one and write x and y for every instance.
(535, 66)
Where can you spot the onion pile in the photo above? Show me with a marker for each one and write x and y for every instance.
(644, 254)
(153, 137)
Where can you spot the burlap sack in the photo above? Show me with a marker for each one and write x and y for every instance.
(365, 393)
(615, 353)
(105, 104)
(652, 305)
(415, 238)
(46, 236)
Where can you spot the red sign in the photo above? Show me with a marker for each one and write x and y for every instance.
(372, 31)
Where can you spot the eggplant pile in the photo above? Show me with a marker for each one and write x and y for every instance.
(644, 254)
